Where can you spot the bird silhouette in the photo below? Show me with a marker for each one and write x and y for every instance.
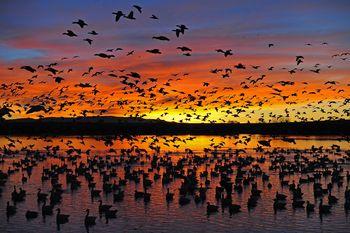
(138, 8)
(118, 15)
(70, 33)
(130, 16)
(81, 23)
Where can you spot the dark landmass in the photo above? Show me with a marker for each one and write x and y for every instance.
(138, 126)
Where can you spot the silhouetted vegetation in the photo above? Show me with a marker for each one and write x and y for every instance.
(136, 126)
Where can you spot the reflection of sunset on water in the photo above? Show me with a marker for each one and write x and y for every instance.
(180, 143)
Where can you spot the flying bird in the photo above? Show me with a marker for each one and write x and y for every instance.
(184, 49)
(36, 108)
(81, 23)
(130, 16)
(103, 55)
(70, 33)
(28, 68)
(58, 79)
(225, 52)
(93, 33)
(164, 38)
(118, 15)
(88, 40)
(154, 51)
(138, 8)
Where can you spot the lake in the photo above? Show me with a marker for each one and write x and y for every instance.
(214, 154)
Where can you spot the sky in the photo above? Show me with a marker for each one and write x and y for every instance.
(185, 90)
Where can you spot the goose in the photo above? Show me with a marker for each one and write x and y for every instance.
(103, 208)
(111, 213)
(280, 197)
(309, 207)
(279, 205)
(24, 179)
(46, 209)
(61, 218)
(233, 209)
(118, 197)
(10, 209)
(332, 199)
(146, 197)
(347, 205)
(298, 203)
(212, 208)
(138, 194)
(89, 220)
(252, 202)
(95, 193)
(184, 200)
(41, 196)
(324, 209)
(31, 214)
(169, 196)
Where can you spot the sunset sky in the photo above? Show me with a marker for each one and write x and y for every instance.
(31, 35)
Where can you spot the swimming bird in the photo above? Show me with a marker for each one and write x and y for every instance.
(61, 218)
(31, 214)
(212, 208)
(89, 220)
(10, 209)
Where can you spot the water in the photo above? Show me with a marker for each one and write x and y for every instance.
(158, 215)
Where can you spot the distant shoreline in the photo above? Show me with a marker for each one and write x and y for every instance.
(137, 126)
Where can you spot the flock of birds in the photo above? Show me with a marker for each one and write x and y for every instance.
(233, 171)
(228, 171)
(141, 96)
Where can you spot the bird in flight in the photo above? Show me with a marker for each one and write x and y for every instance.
(138, 8)
(28, 68)
(225, 52)
(81, 23)
(93, 33)
(103, 55)
(88, 40)
(70, 33)
(180, 29)
(118, 15)
(164, 38)
(130, 16)
(154, 51)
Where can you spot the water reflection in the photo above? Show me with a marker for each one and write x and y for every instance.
(115, 164)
